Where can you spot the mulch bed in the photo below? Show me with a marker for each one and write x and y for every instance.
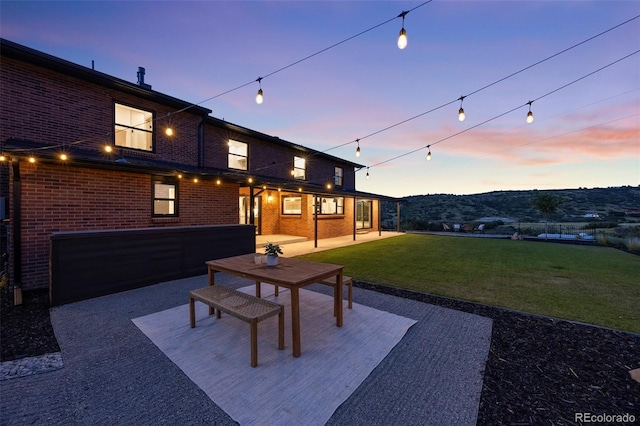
(540, 371)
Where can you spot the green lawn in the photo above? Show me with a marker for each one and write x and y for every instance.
(596, 285)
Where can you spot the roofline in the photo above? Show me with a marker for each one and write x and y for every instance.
(17, 51)
(36, 57)
(276, 140)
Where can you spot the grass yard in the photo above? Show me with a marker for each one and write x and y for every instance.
(592, 284)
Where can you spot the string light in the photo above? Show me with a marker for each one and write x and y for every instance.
(259, 97)
(3, 157)
(429, 153)
(108, 149)
(218, 181)
(64, 157)
(32, 159)
(402, 38)
(461, 115)
(358, 148)
(530, 114)
(367, 173)
(195, 180)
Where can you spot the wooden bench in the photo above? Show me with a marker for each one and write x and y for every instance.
(243, 306)
(331, 281)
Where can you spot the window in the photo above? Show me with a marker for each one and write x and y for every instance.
(331, 205)
(165, 198)
(291, 205)
(133, 128)
(299, 168)
(337, 175)
(237, 155)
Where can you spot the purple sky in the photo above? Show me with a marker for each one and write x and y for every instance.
(584, 135)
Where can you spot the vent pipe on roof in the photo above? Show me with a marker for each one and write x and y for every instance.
(141, 82)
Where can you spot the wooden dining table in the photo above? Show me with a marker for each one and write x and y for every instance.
(289, 273)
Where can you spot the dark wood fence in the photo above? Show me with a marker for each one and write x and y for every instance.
(90, 264)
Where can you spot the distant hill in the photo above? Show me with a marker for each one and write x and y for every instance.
(613, 204)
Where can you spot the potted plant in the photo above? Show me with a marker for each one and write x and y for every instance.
(272, 251)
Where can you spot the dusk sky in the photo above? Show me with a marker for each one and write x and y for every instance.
(586, 134)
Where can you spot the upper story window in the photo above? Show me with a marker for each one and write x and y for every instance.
(237, 155)
(292, 205)
(165, 198)
(331, 205)
(337, 176)
(133, 128)
(299, 168)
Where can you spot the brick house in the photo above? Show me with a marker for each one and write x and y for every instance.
(74, 211)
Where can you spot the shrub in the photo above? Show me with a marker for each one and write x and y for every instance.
(633, 244)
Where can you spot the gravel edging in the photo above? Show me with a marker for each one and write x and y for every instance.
(31, 365)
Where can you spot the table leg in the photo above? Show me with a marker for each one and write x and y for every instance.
(295, 320)
(258, 289)
(212, 281)
(338, 296)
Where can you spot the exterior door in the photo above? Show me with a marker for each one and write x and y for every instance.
(363, 214)
(245, 214)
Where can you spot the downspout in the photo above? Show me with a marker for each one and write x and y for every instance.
(355, 217)
(16, 223)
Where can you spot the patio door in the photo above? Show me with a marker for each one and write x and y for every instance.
(363, 214)
(245, 214)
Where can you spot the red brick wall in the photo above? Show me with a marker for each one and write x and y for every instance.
(50, 108)
(58, 198)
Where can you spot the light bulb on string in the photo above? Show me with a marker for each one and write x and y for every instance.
(169, 129)
(259, 97)
(358, 148)
(461, 115)
(367, 173)
(429, 153)
(3, 158)
(530, 114)
(402, 38)
(32, 159)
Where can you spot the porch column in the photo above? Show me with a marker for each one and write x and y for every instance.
(252, 200)
(355, 217)
(315, 219)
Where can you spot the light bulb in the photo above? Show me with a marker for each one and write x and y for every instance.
(32, 159)
(367, 175)
(259, 97)
(108, 148)
(3, 158)
(429, 155)
(218, 181)
(402, 39)
(461, 115)
(358, 152)
(64, 157)
(169, 131)
(529, 117)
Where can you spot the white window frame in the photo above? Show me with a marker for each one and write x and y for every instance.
(330, 205)
(238, 155)
(165, 204)
(133, 127)
(338, 176)
(299, 168)
(292, 204)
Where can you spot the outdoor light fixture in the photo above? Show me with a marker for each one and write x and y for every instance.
(358, 148)
(32, 159)
(429, 153)
(169, 131)
(461, 115)
(195, 180)
(218, 181)
(3, 158)
(64, 157)
(328, 186)
(402, 38)
(269, 197)
(259, 97)
(530, 114)
(367, 173)
(108, 148)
